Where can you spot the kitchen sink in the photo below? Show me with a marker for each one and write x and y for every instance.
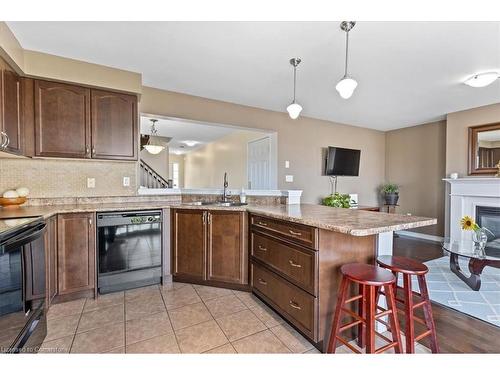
(199, 203)
(230, 204)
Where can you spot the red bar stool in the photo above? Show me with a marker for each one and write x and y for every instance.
(408, 268)
(370, 279)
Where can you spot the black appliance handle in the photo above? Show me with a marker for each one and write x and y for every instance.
(27, 332)
(23, 238)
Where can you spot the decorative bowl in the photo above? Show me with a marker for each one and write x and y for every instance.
(12, 202)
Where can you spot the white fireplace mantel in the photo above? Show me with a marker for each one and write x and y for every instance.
(465, 195)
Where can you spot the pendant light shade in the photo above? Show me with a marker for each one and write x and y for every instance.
(346, 85)
(294, 108)
(153, 147)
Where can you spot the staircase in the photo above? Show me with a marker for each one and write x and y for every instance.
(150, 178)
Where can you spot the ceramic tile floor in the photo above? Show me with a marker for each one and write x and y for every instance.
(173, 318)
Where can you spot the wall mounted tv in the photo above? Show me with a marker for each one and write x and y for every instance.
(342, 162)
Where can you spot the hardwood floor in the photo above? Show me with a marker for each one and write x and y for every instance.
(457, 332)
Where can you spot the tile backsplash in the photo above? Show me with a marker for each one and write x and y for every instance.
(50, 178)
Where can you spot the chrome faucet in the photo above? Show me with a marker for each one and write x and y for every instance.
(225, 195)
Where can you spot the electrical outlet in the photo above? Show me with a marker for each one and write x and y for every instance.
(289, 178)
(126, 181)
(287, 164)
(91, 182)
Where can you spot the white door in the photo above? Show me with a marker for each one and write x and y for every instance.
(258, 168)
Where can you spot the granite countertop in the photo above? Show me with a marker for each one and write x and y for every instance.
(348, 221)
(352, 222)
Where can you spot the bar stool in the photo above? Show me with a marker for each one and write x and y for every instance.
(370, 279)
(408, 268)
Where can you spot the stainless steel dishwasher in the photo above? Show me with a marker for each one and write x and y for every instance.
(129, 250)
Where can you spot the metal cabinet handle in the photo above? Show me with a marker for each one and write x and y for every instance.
(294, 264)
(209, 217)
(262, 248)
(4, 139)
(93, 150)
(263, 282)
(90, 222)
(7, 139)
(262, 223)
(295, 305)
(87, 150)
(294, 233)
(204, 217)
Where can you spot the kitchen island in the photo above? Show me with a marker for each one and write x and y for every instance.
(288, 255)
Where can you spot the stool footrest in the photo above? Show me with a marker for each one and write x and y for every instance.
(386, 339)
(346, 343)
(422, 335)
(349, 325)
(386, 347)
(355, 298)
(352, 313)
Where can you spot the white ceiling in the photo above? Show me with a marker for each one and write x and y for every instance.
(181, 131)
(408, 72)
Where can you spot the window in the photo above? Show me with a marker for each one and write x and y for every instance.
(175, 174)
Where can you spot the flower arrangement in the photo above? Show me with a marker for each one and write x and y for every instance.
(479, 236)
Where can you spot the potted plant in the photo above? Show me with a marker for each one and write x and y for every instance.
(391, 194)
(337, 200)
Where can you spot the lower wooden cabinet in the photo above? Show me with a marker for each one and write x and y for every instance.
(76, 253)
(209, 246)
(51, 259)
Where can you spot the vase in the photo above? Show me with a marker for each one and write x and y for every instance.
(480, 239)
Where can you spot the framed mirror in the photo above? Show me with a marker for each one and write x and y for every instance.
(484, 149)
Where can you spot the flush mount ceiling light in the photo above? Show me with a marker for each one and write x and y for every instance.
(153, 147)
(294, 108)
(482, 79)
(190, 143)
(346, 85)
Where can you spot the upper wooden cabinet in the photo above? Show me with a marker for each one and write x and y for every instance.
(77, 122)
(62, 120)
(114, 125)
(11, 119)
(209, 246)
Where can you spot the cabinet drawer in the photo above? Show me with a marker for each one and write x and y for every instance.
(299, 233)
(296, 305)
(296, 263)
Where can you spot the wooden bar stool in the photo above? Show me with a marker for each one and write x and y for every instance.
(408, 268)
(370, 279)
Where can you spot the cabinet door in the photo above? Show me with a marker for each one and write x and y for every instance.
(189, 234)
(226, 250)
(51, 258)
(75, 252)
(114, 125)
(12, 110)
(62, 120)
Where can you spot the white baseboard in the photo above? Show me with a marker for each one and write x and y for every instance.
(422, 236)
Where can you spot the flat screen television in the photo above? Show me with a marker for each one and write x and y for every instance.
(342, 162)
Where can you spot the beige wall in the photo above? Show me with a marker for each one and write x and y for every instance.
(205, 167)
(48, 66)
(457, 124)
(52, 178)
(158, 162)
(10, 49)
(299, 141)
(415, 160)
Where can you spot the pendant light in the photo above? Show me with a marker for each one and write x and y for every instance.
(294, 108)
(152, 146)
(346, 85)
